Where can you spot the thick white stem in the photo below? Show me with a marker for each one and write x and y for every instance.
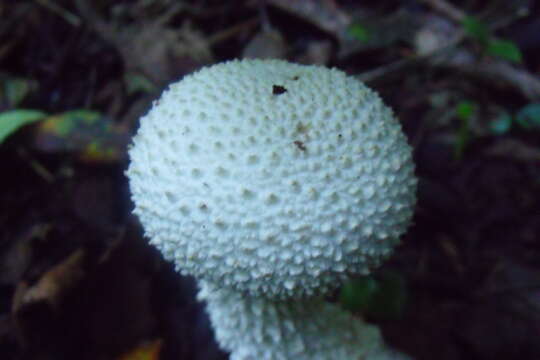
(260, 329)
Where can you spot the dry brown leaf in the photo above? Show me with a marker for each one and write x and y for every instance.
(52, 285)
(267, 44)
(434, 34)
(325, 14)
(151, 47)
(515, 149)
(317, 53)
(163, 53)
(16, 260)
(145, 351)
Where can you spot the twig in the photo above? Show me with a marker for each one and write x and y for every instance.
(41, 170)
(232, 31)
(324, 14)
(500, 71)
(497, 70)
(447, 9)
(63, 13)
(263, 14)
(388, 69)
(494, 71)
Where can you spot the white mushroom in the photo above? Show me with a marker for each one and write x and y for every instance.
(261, 329)
(272, 183)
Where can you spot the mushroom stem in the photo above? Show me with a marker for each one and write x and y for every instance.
(312, 329)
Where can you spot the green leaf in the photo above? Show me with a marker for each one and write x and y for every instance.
(505, 49)
(465, 109)
(11, 121)
(383, 298)
(13, 90)
(359, 32)
(16, 90)
(529, 116)
(462, 139)
(502, 124)
(390, 298)
(475, 29)
(137, 82)
(356, 294)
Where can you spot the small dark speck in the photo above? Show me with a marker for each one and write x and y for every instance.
(278, 90)
(296, 78)
(300, 145)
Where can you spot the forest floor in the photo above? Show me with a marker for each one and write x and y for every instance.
(79, 281)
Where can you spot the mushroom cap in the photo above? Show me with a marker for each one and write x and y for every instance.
(272, 178)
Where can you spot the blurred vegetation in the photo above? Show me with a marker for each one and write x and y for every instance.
(77, 278)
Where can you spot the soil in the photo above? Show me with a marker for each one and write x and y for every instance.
(78, 279)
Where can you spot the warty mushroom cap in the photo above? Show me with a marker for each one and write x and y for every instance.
(272, 178)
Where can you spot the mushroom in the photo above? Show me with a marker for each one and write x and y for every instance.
(272, 183)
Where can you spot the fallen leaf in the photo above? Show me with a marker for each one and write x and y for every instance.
(323, 13)
(515, 149)
(13, 90)
(267, 44)
(87, 134)
(151, 47)
(52, 285)
(15, 261)
(317, 53)
(145, 351)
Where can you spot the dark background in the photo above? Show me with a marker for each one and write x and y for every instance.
(79, 281)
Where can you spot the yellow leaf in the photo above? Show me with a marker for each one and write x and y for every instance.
(149, 350)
